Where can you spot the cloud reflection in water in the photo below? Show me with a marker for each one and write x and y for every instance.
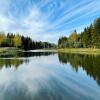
(44, 78)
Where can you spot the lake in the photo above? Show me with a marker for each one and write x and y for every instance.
(50, 76)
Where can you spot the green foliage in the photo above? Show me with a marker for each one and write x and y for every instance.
(2, 38)
(96, 34)
(89, 38)
(17, 40)
(73, 39)
(26, 43)
(62, 42)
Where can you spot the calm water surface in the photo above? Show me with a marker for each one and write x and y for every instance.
(50, 76)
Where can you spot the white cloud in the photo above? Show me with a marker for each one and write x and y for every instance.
(34, 21)
(38, 25)
(5, 23)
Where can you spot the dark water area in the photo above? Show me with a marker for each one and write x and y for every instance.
(50, 76)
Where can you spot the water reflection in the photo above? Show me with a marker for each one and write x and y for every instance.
(34, 54)
(16, 62)
(12, 62)
(43, 77)
(89, 63)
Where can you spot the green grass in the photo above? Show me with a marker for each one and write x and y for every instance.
(80, 50)
(9, 51)
(13, 52)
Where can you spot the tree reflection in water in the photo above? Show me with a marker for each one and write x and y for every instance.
(12, 62)
(89, 63)
(16, 62)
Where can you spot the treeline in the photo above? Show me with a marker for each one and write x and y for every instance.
(19, 41)
(89, 38)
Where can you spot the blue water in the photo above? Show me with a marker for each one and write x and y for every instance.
(50, 77)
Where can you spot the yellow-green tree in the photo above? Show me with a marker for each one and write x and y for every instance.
(2, 38)
(73, 39)
(17, 40)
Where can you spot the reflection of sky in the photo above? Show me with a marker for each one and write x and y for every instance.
(44, 77)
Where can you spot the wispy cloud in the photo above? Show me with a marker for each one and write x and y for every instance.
(47, 20)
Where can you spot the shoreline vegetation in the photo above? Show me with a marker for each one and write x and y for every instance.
(10, 51)
(88, 51)
(86, 42)
(88, 38)
(14, 52)
(25, 43)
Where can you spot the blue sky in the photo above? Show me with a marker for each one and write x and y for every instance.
(47, 20)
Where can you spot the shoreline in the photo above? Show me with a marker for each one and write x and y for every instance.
(80, 50)
(9, 51)
(13, 52)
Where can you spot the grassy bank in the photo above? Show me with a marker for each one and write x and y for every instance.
(13, 52)
(9, 51)
(80, 50)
